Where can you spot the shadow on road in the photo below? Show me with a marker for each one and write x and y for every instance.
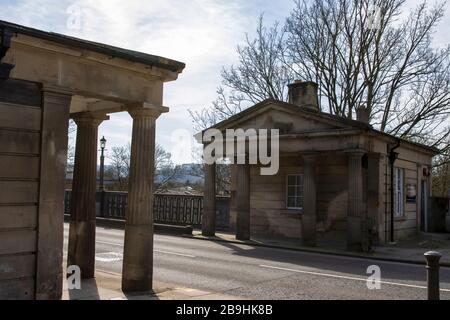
(333, 263)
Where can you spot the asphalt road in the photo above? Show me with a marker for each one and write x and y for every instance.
(264, 273)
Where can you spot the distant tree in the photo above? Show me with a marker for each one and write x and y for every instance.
(119, 167)
(223, 179)
(71, 146)
(441, 176)
(223, 173)
(162, 158)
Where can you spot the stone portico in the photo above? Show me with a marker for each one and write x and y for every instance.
(46, 79)
(342, 173)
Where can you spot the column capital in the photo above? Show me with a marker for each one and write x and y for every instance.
(51, 88)
(56, 95)
(89, 118)
(146, 110)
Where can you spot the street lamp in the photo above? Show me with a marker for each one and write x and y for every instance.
(102, 174)
(103, 143)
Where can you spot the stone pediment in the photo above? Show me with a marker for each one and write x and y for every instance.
(287, 120)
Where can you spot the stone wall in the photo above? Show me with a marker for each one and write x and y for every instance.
(33, 155)
(271, 218)
(439, 208)
(20, 132)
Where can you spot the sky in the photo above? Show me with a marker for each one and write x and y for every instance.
(203, 34)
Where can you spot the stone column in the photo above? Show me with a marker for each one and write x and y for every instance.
(233, 200)
(243, 202)
(374, 190)
(309, 217)
(50, 220)
(209, 204)
(82, 212)
(137, 270)
(355, 201)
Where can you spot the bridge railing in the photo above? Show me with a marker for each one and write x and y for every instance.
(167, 208)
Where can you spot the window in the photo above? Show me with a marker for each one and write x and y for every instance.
(399, 194)
(294, 199)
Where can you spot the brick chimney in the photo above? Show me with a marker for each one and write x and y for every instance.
(304, 94)
(363, 114)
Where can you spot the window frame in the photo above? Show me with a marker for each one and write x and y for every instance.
(287, 185)
(399, 193)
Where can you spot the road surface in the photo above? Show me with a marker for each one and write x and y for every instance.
(264, 273)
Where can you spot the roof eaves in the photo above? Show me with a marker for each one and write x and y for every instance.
(352, 123)
(135, 56)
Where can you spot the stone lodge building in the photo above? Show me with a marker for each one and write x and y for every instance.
(45, 79)
(334, 178)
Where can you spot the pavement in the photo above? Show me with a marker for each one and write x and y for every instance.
(409, 251)
(106, 286)
(190, 268)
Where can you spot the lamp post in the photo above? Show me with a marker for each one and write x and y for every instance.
(102, 174)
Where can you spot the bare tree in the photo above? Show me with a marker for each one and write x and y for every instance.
(119, 167)
(441, 175)
(71, 146)
(224, 107)
(260, 74)
(166, 171)
(387, 64)
(223, 172)
(223, 177)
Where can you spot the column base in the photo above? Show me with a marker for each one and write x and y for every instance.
(81, 251)
(354, 234)
(137, 273)
(137, 286)
(243, 237)
(309, 230)
(243, 226)
(208, 234)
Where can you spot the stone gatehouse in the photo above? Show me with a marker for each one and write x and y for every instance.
(334, 177)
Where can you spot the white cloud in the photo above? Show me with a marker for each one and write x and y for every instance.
(201, 33)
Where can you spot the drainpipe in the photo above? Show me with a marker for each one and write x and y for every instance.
(393, 156)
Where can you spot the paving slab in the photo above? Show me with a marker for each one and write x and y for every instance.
(107, 286)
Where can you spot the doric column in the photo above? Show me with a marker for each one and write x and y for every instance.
(373, 193)
(233, 200)
(355, 200)
(50, 224)
(137, 270)
(309, 217)
(82, 212)
(243, 202)
(209, 202)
